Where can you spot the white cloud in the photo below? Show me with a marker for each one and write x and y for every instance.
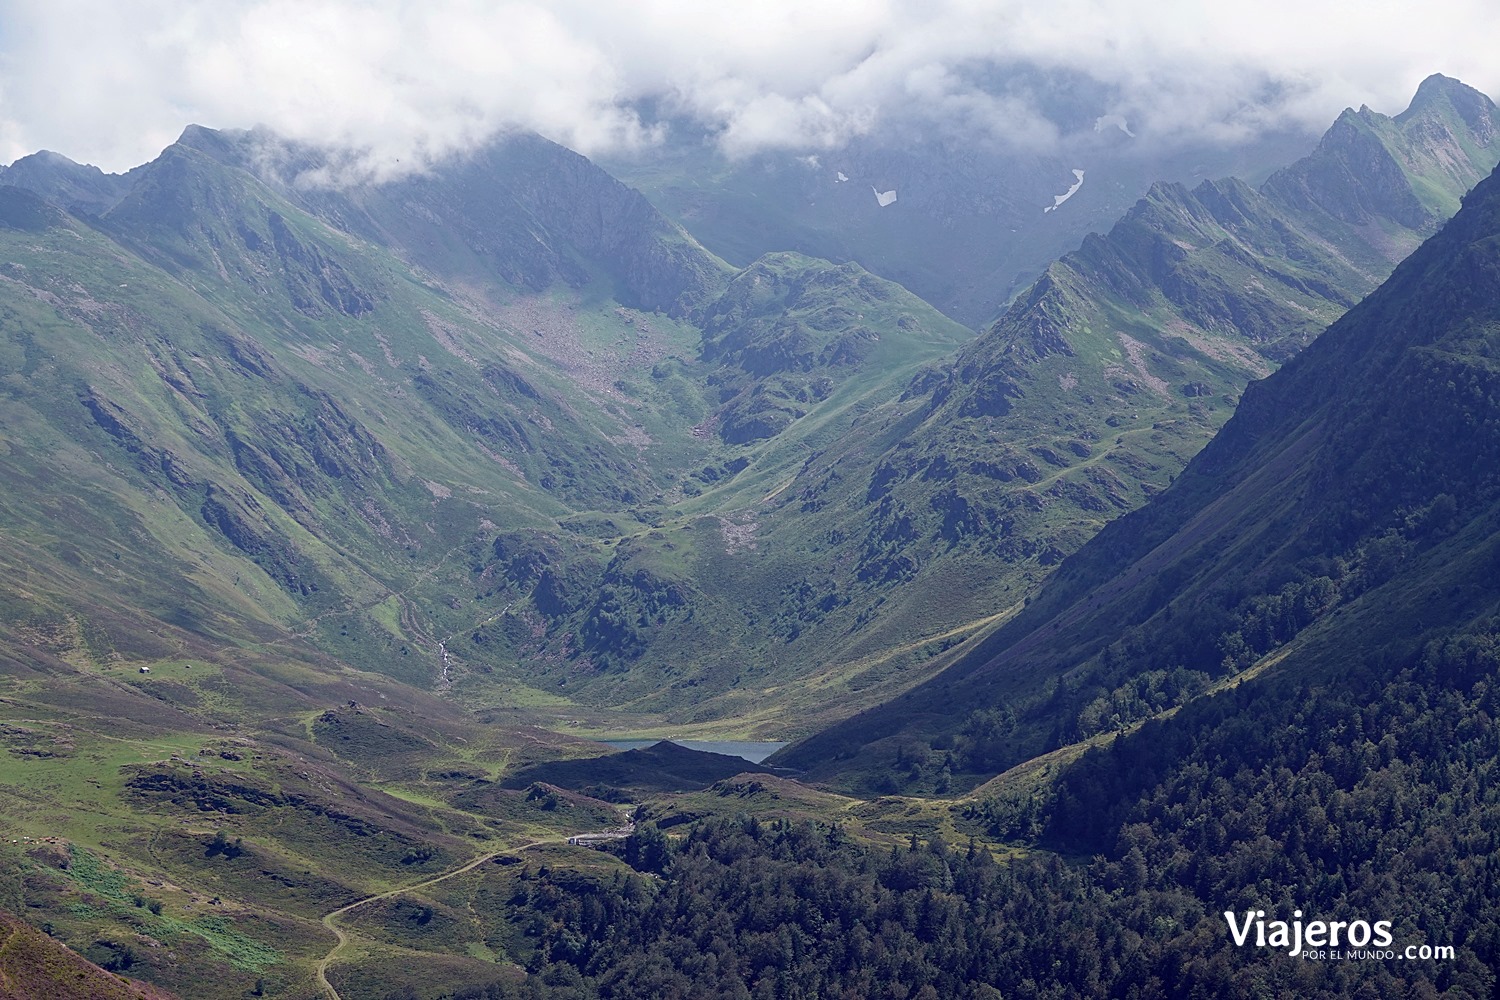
(113, 83)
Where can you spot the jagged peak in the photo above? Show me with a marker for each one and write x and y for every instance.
(1167, 190)
(1437, 83)
(76, 187)
(231, 147)
(1161, 195)
(1223, 187)
(1348, 123)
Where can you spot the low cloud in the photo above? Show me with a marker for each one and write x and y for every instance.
(401, 84)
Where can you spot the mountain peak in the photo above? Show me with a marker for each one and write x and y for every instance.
(64, 182)
(47, 157)
(1368, 166)
(231, 147)
(193, 131)
(1439, 93)
(1439, 87)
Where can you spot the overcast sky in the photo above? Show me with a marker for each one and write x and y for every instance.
(112, 83)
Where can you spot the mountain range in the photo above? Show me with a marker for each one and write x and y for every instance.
(506, 419)
(323, 495)
(961, 216)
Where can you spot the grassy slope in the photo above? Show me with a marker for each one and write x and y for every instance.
(936, 514)
(109, 835)
(372, 431)
(560, 503)
(247, 451)
(35, 967)
(137, 772)
(672, 608)
(1344, 516)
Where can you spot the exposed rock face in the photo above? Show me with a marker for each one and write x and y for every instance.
(1364, 168)
(1353, 177)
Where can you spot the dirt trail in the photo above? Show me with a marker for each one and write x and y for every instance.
(343, 939)
(329, 920)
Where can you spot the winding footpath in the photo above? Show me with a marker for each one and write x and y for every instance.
(343, 939)
(329, 920)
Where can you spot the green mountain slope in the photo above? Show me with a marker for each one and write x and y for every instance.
(1271, 688)
(669, 609)
(34, 967)
(1287, 662)
(301, 518)
(353, 420)
(230, 388)
(501, 430)
(521, 213)
(1344, 519)
(933, 517)
(526, 458)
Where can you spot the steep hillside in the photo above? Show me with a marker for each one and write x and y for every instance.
(34, 967)
(520, 214)
(222, 410)
(1267, 701)
(470, 428)
(663, 608)
(932, 518)
(80, 189)
(1342, 525)
(501, 430)
(313, 511)
(854, 530)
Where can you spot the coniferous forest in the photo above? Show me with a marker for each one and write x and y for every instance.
(1378, 799)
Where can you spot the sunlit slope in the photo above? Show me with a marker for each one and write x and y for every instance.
(268, 427)
(236, 412)
(500, 428)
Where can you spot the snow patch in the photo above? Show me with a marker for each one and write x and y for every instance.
(1057, 199)
(884, 198)
(1113, 121)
